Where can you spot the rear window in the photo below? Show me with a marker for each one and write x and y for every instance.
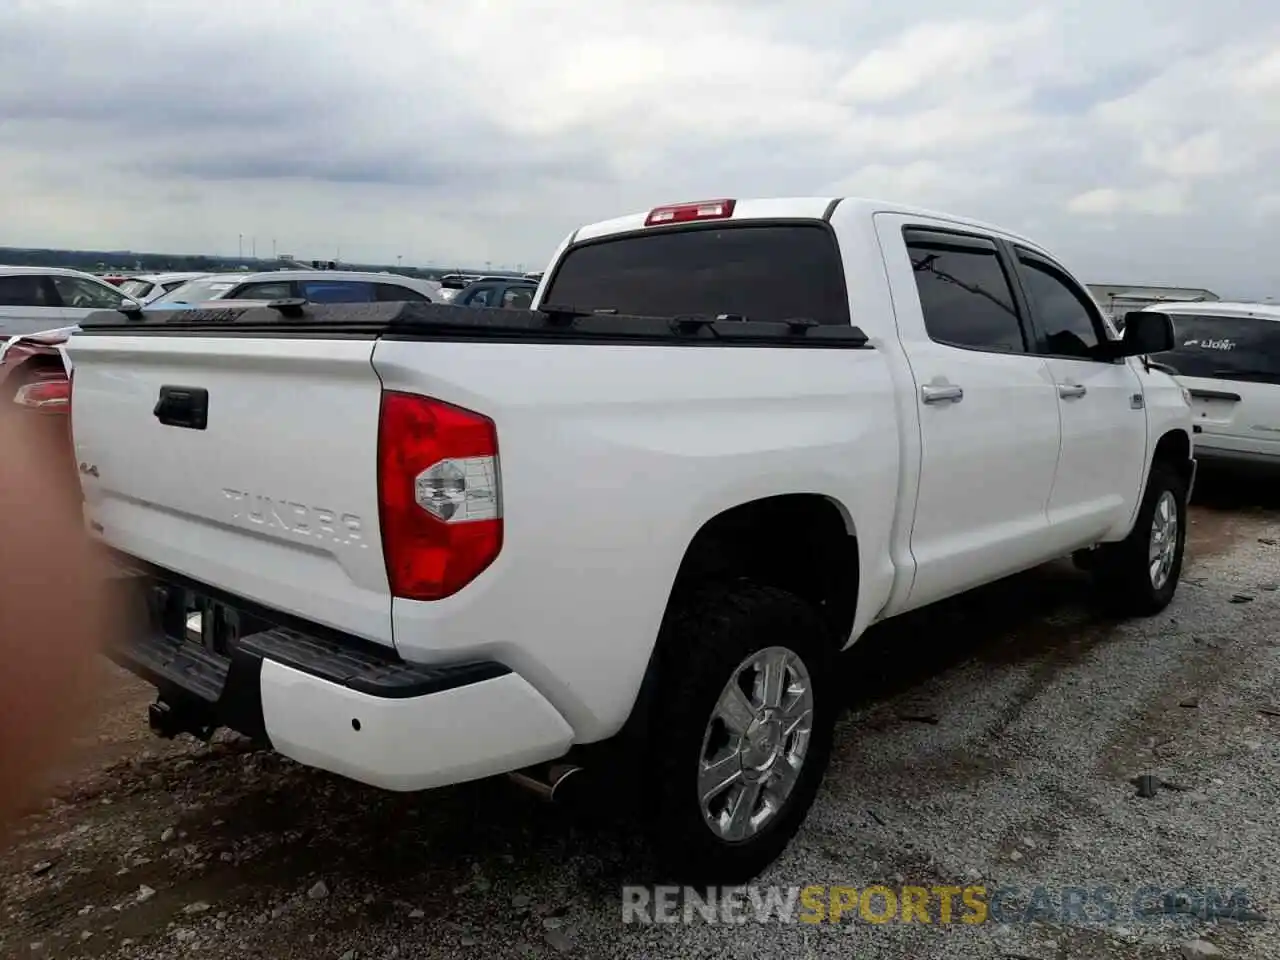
(773, 272)
(1225, 348)
(196, 291)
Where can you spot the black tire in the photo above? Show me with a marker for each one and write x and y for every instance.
(706, 639)
(1123, 571)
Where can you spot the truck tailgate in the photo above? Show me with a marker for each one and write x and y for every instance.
(273, 498)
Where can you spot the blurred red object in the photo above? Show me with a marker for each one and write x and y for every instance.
(35, 383)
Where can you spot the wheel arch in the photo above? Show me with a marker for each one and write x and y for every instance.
(806, 543)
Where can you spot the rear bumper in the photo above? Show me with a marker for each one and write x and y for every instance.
(337, 703)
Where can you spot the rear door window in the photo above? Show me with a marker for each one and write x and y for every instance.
(1225, 348)
(265, 290)
(337, 291)
(965, 295)
(758, 271)
(25, 291)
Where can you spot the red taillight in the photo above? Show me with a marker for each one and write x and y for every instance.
(439, 500)
(52, 395)
(684, 212)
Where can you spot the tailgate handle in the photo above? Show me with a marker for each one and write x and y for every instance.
(186, 407)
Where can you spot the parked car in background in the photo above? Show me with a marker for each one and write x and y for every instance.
(317, 286)
(148, 287)
(515, 293)
(33, 299)
(1227, 356)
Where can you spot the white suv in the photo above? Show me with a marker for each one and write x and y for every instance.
(1228, 358)
(35, 299)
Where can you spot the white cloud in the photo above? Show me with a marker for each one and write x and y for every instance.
(1161, 199)
(486, 131)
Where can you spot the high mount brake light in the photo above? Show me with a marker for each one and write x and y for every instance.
(438, 495)
(686, 212)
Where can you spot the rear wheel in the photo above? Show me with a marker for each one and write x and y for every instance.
(1139, 575)
(742, 731)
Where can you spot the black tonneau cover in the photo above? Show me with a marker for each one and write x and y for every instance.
(439, 321)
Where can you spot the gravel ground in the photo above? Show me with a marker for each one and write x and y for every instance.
(989, 741)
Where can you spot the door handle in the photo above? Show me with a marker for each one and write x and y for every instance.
(1069, 391)
(946, 394)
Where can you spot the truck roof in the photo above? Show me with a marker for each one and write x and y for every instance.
(802, 208)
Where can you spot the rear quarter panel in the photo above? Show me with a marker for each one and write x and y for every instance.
(612, 458)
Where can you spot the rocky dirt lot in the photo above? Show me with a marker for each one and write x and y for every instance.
(992, 740)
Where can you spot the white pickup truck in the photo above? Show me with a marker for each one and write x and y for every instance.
(630, 529)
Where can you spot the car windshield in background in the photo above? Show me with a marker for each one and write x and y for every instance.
(761, 272)
(136, 288)
(195, 291)
(1225, 348)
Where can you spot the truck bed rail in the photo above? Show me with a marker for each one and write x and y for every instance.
(437, 321)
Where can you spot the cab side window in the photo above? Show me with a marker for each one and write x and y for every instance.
(1069, 321)
(965, 294)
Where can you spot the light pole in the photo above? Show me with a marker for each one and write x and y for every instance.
(239, 246)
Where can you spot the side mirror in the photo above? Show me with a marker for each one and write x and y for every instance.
(1145, 331)
(130, 308)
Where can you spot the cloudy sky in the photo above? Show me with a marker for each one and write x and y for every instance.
(1139, 139)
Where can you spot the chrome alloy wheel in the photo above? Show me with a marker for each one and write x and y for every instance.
(1164, 540)
(755, 743)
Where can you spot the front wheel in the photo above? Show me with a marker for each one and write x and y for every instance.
(1139, 575)
(742, 732)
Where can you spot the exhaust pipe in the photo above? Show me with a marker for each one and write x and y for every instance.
(545, 781)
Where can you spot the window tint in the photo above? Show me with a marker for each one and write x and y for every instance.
(173, 285)
(1064, 314)
(517, 298)
(775, 272)
(966, 298)
(266, 290)
(85, 294)
(337, 291)
(1225, 348)
(23, 292)
(393, 292)
(479, 297)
